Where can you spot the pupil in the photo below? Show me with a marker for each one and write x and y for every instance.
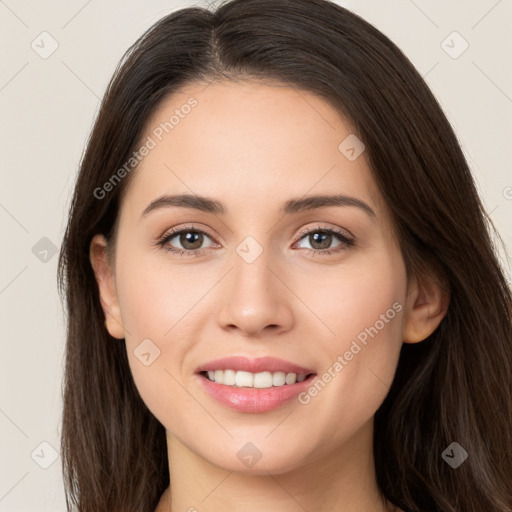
(188, 238)
(325, 241)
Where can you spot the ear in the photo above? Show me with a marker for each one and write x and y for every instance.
(104, 274)
(426, 305)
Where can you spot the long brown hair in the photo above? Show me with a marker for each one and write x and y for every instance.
(456, 386)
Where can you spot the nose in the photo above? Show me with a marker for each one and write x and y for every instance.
(255, 299)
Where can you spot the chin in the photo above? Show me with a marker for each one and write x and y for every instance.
(249, 460)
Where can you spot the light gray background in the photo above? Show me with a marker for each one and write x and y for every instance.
(47, 110)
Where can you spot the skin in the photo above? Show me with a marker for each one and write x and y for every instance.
(253, 145)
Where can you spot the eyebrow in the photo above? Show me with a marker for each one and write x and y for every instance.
(289, 207)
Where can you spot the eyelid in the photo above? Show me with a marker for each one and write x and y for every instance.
(319, 227)
(171, 233)
(185, 227)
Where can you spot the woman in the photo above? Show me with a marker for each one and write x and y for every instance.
(282, 292)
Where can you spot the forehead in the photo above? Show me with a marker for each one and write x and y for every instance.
(247, 142)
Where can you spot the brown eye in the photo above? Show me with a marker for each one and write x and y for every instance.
(190, 240)
(184, 241)
(321, 239)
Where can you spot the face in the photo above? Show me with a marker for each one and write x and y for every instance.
(323, 288)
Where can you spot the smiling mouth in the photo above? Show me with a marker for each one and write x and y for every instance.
(260, 380)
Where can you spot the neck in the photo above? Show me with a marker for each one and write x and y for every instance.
(340, 481)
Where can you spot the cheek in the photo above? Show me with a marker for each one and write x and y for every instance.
(351, 300)
(157, 299)
(364, 310)
(160, 325)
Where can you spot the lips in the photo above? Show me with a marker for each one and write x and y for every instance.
(262, 364)
(254, 398)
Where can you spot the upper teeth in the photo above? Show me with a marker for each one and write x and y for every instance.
(254, 380)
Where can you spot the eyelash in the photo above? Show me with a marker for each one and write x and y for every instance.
(346, 242)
